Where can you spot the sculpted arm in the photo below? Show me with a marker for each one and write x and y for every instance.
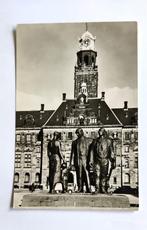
(60, 152)
(48, 150)
(91, 150)
(72, 153)
(112, 155)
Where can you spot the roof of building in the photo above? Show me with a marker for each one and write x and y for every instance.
(128, 117)
(87, 34)
(32, 119)
(106, 115)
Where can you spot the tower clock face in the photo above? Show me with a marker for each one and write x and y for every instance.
(86, 42)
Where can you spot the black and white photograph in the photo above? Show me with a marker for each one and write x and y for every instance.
(76, 143)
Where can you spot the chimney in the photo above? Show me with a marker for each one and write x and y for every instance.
(125, 105)
(103, 96)
(64, 96)
(42, 108)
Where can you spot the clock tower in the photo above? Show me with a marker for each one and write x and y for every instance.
(86, 68)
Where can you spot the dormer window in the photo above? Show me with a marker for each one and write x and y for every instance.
(57, 118)
(107, 117)
(29, 120)
(126, 114)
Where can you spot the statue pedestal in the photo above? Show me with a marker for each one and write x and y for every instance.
(70, 201)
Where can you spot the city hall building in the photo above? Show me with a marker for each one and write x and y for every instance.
(34, 129)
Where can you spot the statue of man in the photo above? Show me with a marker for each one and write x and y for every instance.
(79, 154)
(55, 156)
(102, 154)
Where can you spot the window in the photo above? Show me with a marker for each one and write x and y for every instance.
(126, 114)
(126, 178)
(136, 162)
(93, 135)
(18, 137)
(86, 59)
(28, 138)
(127, 136)
(23, 138)
(38, 162)
(16, 178)
(57, 118)
(136, 135)
(29, 120)
(127, 163)
(70, 135)
(71, 120)
(17, 160)
(115, 134)
(38, 149)
(27, 161)
(27, 178)
(93, 59)
(34, 138)
(93, 120)
(114, 180)
(107, 117)
(20, 117)
(37, 177)
(126, 149)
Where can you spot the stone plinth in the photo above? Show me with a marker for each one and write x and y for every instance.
(75, 201)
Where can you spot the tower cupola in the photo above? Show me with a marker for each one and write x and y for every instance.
(87, 41)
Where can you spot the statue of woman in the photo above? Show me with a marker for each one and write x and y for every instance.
(55, 156)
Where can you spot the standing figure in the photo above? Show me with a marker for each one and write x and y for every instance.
(55, 156)
(102, 154)
(79, 154)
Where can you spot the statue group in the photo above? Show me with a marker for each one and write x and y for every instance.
(97, 157)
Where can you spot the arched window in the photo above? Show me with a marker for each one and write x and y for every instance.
(93, 60)
(126, 178)
(114, 180)
(27, 178)
(86, 59)
(16, 178)
(37, 177)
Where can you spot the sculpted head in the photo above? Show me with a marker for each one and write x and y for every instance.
(102, 132)
(79, 132)
(56, 135)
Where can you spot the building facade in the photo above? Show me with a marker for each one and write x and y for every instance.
(34, 129)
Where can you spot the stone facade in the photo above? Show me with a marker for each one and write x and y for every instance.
(27, 158)
(32, 163)
(130, 157)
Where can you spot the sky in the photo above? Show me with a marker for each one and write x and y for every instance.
(46, 56)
